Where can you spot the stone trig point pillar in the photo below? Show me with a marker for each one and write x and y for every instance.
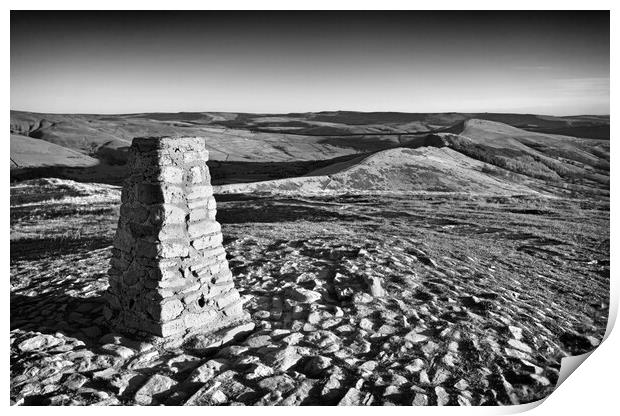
(169, 277)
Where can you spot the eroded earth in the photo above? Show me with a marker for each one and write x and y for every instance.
(423, 299)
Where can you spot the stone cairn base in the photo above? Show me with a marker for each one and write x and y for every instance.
(169, 277)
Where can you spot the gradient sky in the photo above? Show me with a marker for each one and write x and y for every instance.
(125, 62)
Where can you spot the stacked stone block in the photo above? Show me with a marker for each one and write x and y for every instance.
(169, 275)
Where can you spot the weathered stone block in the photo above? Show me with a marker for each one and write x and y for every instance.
(226, 298)
(174, 194)
(200, 192)
(198, 214)
(218, 288)
(233, 309)
(191, 288)
(146, 248)
(142, 230)
(198, 203)
(171, 309)
(211, 203)
(167, 214)
(133, 274)
(170, 174)
(211, 215)
(119, 263)
(217, 250)
(164, 274)
(173, 283)
(216, 240)
(172, 232)
(149, 193)
(206, 242)
(134, 212)
(203, 155)
(172, 327)
(222, 274)
(124, 240)
(201, 228)
(193, 320)
(190, 156)
(195, 175)
(167, 249)
(196, 295)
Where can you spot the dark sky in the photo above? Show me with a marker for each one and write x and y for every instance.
(414, 61)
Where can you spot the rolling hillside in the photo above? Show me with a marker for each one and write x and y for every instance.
(426, 169)
(27, 152)
(275, 137)
(356, 151)
(486, 157)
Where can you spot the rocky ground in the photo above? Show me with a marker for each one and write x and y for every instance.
(439, 299)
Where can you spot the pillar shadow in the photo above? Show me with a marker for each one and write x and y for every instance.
(242, 209)
(52, 312)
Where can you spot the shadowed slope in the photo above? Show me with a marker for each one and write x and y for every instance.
(27, 152)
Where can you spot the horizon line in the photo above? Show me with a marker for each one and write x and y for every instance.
(320, 111)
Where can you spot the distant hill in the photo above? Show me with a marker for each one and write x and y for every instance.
(486, 157)
(260, 147)
(428, 169)
(358, 123)
(88, 133)
(540, 155)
